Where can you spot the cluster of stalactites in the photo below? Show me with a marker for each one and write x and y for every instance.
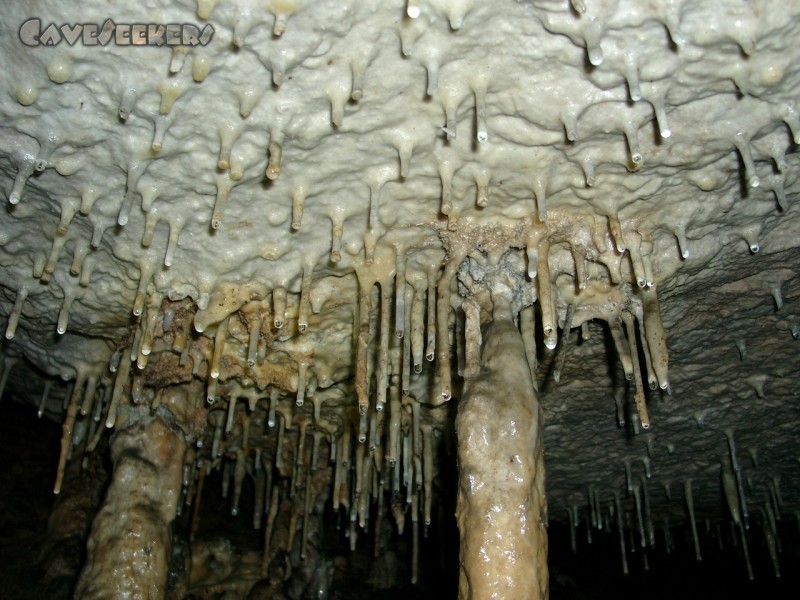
(406, 316)
(628, 514)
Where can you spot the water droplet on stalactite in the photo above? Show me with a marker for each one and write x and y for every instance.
(221, 200)
(413, 9)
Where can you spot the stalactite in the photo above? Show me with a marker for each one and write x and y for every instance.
(527, 325)
(362, 344)
(382, 375)
(279, 306)
(652, 379)
(302, 370)
(337, 231)
(546, 296)
(446, 176)
(406, 348)
(738, 476)
(481, 134)
(562, 349)
(641, 404)
(67, 429)
(219, 348)
(687, 491)
(16, 313)
(417, 326)
(430, 333)
(472, 337)
(399, 291)
(623, 351)
(305, 298)
(255, 333)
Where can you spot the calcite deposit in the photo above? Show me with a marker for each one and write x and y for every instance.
(280, 239)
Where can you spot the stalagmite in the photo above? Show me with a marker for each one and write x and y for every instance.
(141, 501)
(501, 492)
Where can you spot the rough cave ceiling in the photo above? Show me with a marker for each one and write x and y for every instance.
(170, 207)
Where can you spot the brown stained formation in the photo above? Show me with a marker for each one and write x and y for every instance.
(131, 540)
(501, 503)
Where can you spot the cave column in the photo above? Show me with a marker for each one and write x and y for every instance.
(130, 544)
(501, 508)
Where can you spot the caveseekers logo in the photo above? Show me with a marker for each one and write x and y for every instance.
(32, 33)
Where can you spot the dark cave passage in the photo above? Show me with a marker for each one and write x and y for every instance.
(594, 572)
